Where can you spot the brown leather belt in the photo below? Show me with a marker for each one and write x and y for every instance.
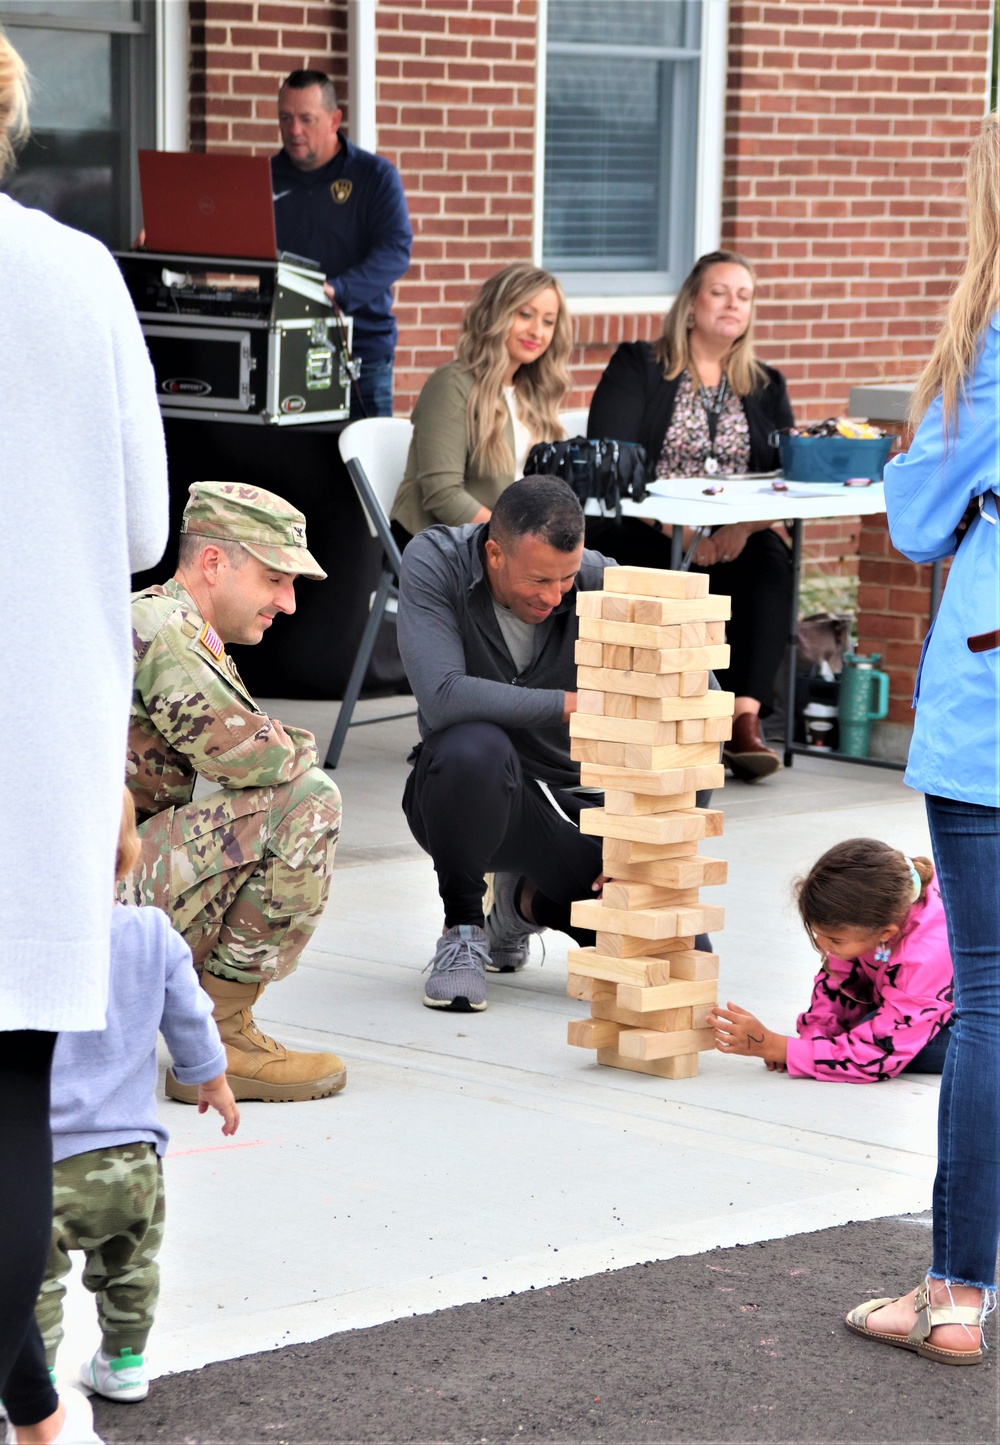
(985, 641)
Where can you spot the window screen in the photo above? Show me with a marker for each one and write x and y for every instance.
(621, 113)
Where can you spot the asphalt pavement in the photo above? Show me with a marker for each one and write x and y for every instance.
(740, 1344)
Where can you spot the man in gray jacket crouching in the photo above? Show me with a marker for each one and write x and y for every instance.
(487, 630)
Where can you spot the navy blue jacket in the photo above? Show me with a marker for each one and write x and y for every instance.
(362, 240)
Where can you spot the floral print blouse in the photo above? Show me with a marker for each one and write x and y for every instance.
(688, 441)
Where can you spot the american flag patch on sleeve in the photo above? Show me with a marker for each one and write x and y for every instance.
(211, 641)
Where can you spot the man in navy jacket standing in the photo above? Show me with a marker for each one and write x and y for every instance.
(344, 208)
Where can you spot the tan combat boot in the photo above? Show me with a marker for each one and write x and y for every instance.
(258, 1067)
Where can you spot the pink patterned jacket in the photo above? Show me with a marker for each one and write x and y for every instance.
(911, 994)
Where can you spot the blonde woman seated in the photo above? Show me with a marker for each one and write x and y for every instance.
(477, 417)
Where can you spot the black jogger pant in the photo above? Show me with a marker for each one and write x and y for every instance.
(471, 808)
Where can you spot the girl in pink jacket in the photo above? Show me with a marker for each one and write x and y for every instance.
(881, 1003)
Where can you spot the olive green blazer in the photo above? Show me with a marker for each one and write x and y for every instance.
(440, 483)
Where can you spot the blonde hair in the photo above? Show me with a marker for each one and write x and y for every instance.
(14, 95)
(743, 371)
(129, 846)
(482, 347)
(977, 294)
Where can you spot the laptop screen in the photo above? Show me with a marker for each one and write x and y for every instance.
(207, 205)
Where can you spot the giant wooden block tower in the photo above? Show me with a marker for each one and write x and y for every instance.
(647, 731)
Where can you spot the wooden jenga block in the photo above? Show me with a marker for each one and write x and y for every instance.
(657, 734)
(678, 659)
(682, 1066)
(589, 604)
(640, 999)
(588, 654)
(629, 895)
(607, 968)
(671, 709)
(669, 612)
(716, 632)
(616, 657)
(699, 1015)
(647, 1044)
(643, 684)
(619, 704)
(667, 1020)
(617, 608)
(589, 989)
(652, 582)
(625, 850)
(653, 923)
(658, 828)
(637, 757)
(626, 945)
(693, 872)
(689, 729)
(634, 805)
(593, 702)
(694, 966)
(695, 729)
(593, 1033)
(667, 757)
(620, 779)
(689, 634)
(663, 633)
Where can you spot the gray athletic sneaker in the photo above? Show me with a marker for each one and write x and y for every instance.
(507, 933)
(458, 970)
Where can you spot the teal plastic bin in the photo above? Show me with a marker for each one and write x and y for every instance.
(833, 459)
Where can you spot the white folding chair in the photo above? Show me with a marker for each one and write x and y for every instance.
(575, 422)
(375, 452)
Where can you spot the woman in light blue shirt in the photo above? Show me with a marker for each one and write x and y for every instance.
(951, 477)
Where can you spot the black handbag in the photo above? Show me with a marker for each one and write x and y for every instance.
(603, 471)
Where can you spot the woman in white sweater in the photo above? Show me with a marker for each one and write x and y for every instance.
(83, 502)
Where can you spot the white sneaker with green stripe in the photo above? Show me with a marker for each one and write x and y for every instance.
(123, 1378)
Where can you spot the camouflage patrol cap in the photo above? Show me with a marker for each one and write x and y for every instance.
(268, 527)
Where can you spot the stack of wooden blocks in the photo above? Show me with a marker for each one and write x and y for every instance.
(647, 731)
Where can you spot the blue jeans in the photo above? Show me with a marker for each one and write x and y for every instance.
(966, 842)
(375, 386)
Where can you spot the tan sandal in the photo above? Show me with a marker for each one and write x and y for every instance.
(928, 1316)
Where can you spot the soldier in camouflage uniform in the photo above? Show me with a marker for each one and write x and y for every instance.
(244, 873)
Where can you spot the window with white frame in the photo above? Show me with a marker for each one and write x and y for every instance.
(91, 67)
(621, 143)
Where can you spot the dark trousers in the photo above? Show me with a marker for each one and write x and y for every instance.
(25, 1221)
(371, 394)
(471, 808)
(759, 581)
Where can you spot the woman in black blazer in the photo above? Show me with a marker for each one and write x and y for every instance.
(700, 403)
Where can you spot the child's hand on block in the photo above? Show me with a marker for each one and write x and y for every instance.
(217, 1094)
(738, 1032)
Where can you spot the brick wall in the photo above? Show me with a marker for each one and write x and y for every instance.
(240, 51)
(846, 127)
(456, 114)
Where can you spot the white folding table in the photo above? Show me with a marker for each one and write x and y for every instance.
(687, 502)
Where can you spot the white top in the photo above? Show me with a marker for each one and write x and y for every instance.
(523, 439)
(83, 497)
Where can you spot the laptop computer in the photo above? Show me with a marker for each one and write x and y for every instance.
(208, 205)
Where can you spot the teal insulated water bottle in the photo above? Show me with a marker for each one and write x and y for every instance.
(856, 712)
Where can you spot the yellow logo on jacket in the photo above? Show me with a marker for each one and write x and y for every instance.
(340, 190)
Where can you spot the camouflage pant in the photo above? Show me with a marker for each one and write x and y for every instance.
(243, 873)
(109, 1204)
